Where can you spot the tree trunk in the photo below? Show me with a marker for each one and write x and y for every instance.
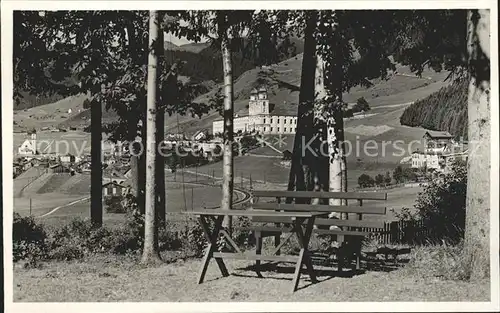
(134, 169)
(477, 225)
(335, 158)
(160, 137)
(136, 131)
(142, 172)
(160, 170)
(301, 173)
(134, 155)
(331, 111)
(228, 133)
(320, 124)
(96, 164)
(150, 252)
(343, 158)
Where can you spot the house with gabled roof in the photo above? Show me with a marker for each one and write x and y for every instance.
(114, 189)
(438, 140)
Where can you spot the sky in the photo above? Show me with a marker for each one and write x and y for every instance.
(175, 40)
(179, 41)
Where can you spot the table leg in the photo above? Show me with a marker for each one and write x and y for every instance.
(306, 237)
(212, 247)
(258, 251)
(298, 267)
(304, 254)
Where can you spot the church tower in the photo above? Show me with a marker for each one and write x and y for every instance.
(33, 141)
(259, 102)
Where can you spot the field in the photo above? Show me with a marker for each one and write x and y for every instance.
(58, 190)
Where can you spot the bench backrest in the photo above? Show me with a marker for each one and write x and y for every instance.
(319, 195)
(358, 209)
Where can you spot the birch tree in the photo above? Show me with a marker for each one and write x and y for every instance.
(150, 251)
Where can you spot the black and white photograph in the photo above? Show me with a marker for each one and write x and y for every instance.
(222, 156)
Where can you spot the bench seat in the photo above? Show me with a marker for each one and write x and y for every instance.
(349, 232)
(269, 230)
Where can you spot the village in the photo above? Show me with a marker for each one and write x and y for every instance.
(436, 157)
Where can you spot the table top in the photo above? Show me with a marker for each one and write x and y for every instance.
(257, 213)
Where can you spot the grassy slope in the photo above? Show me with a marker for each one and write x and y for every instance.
(57, 189)
(25, 178)
(54, 183)
(48, 115)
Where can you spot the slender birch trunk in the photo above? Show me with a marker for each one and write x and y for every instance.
(150, 252)
(142, 171)
(335, 156)
(160, 137)
(228, 133)
(477, 225)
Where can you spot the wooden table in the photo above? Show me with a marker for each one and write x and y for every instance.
(303, 223)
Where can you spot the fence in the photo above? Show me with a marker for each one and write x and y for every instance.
(242, 179)
(400, 232)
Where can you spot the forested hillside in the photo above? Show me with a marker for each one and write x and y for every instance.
(207, 64)
(444, 110)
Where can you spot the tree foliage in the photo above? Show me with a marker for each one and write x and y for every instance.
(441, 205)
(431, 38)
(379, 179)
(99, 53)
(361, 105)
(398, 174)
(365, 180)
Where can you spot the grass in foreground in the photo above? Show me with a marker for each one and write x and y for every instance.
(122, 278)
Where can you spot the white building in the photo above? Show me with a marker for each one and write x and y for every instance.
(28, 147)
(439, 153)
(199, 135)
(259, 118)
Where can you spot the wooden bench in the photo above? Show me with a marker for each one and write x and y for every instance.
(348, 232)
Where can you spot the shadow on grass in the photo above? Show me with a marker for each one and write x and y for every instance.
(290, 269)
(321, 274)
(331, 266)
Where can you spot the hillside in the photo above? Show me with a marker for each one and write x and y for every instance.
(48, 115)
(444, 110)
(202, 64)
(283, 81)
(204, 61)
